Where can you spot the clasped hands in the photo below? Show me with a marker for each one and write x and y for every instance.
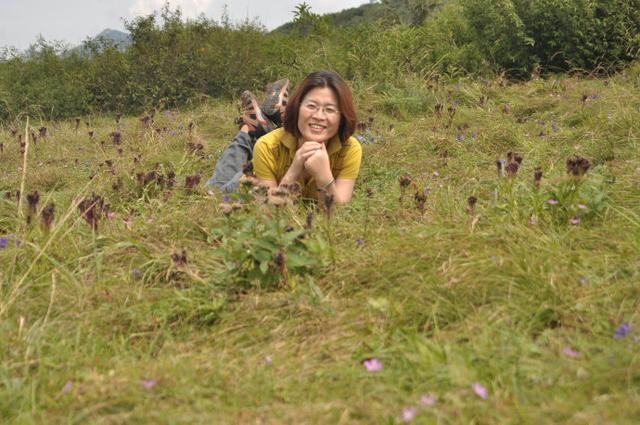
(313, 157)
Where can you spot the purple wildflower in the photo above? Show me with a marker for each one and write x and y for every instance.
(436, 174)
(408, 413)
(428, 400)
(3, 243)
(582, 207)
(360, 138)
(67, 387)
(360, 242)
(533, 221)
(474, 136)
(575, 221)
(583, 280)
(459, 137)
(136, 273)
(570, 352)
(372, 365)
(552, 202)
(480, 390)
(226, 199)
(622, 331)
(149, 383)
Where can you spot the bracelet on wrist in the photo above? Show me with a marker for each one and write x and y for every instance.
(326, 186)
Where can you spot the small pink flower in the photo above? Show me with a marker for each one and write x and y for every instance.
(533, 221)
(552, 202)
(128, 222)
(268, 360)
(111, 215)
(67, 387)
(149, 383)
(436, 174)
(480, 390)
(569, 352)
(582, 206)
(575, 221)
(428, 400)
(372, 365)
(408, 413)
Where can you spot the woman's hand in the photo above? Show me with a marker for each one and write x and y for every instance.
(317, 163)
(304, 152)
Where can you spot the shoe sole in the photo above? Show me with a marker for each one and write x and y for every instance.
(251, 113)
(277, 96)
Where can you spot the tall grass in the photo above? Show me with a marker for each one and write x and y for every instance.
(105, 326)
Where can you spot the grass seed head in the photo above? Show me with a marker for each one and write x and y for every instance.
(578, 166)
(92, 209)
(471, 204)
(328, 204)
(180, 259)
(190, 182)
(537, 176)
(47, 215)
(420, 198)
(309, 222)
(512, 169)
(32, 204)
(116, 137)
(247, 168)
(405, 181)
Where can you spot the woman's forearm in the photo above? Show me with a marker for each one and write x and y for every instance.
(291, 176)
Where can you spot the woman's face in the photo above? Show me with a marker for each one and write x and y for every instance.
(319, 115)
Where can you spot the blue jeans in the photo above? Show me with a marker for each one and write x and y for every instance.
(228, 171)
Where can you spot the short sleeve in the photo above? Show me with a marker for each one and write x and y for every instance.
(351, 159)
(264, 162)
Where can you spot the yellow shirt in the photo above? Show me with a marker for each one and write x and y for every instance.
(274, 153)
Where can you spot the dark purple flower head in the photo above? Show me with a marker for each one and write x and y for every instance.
(360, 242)
(3, 242)
(622, 331)
(226, 199)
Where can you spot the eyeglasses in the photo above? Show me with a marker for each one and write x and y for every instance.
(328, 110)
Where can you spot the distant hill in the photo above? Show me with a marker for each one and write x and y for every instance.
(369, 12)
(119, 39)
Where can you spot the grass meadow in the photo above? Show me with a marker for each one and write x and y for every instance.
(445, 293)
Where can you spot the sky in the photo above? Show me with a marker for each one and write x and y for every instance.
(72, 21)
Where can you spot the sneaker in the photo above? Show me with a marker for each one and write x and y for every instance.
(276, 97)
(251, 113)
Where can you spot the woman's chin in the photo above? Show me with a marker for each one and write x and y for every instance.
(319, 138)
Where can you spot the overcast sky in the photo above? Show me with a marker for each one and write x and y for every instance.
(21, 21)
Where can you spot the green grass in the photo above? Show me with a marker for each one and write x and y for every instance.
(443, 300)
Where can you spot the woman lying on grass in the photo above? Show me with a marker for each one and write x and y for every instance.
(314, 148)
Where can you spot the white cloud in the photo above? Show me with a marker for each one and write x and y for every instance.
(189, 8)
